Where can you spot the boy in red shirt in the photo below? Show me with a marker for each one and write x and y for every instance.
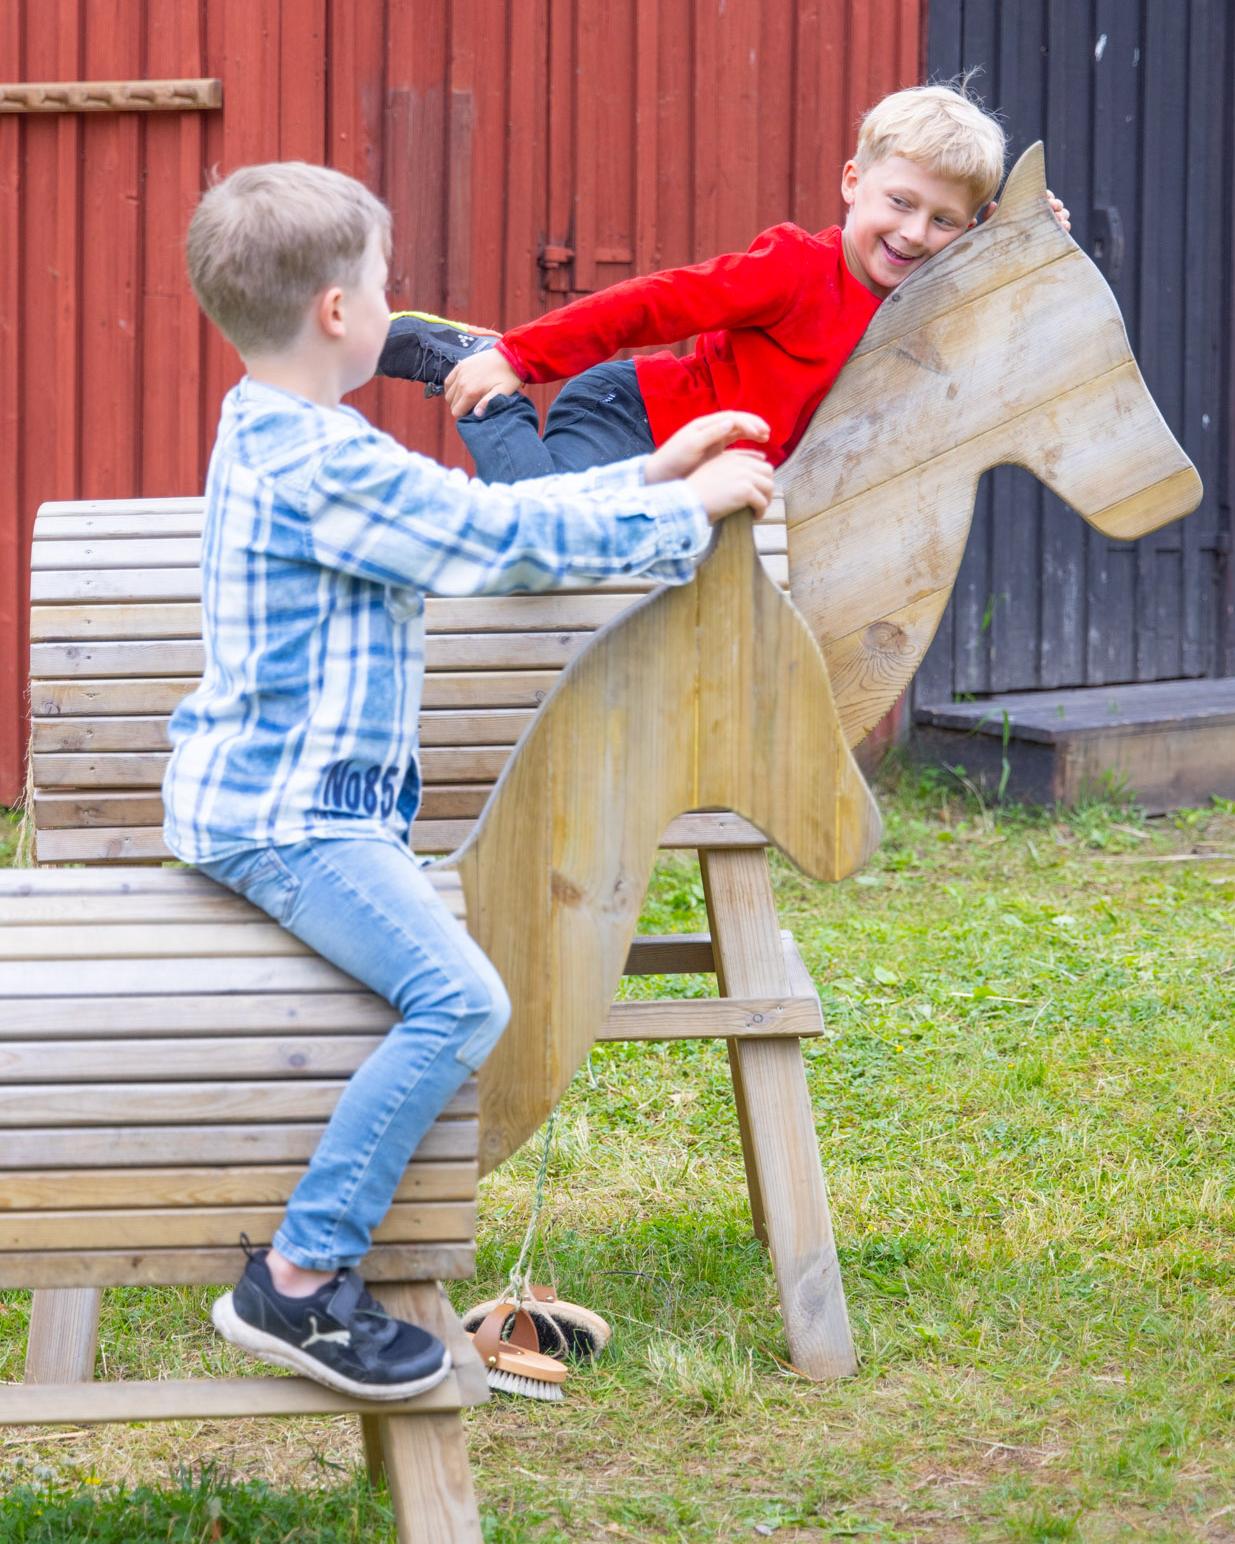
(776, 323)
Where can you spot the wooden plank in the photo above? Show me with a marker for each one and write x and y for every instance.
(669, 954)
(63, 1337)
(52, 510)
(54, 699)
(145, 769)
(709, 1018)
(124, 1058)
(182, 584)
(159, 552)
(783, 1150)
(167, 619)
(41, 1190)
(481, 652)
(213, 1013)
(293, 1142)
(103, 808)
(133, 732)
(206, 1226)
(155, 1103)
(115, 518)
(111, 96)
(520, 689)
(142, 732)
(234, 1056)
(35, 1269)
(203, 1399)
(47, 978)
(715, 828)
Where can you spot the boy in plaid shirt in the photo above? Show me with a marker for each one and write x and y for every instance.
(294, 778)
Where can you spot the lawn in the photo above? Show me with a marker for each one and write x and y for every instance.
(1024, 1102)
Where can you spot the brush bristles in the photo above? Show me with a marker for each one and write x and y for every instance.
(529, 1388)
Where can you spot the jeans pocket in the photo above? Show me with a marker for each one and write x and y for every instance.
(262, 877)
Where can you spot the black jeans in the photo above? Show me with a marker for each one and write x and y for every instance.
(598, 417)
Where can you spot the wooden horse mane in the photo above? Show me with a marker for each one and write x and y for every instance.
(713, 695)
(1006, 347)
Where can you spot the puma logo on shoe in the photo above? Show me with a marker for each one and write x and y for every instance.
(339, 1337)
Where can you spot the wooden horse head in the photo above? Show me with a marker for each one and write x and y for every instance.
(709, 696)
(1006, 347)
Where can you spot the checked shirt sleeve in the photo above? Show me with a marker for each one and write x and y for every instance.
(384, 514)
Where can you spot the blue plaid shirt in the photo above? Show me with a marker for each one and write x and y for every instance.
(322, 538)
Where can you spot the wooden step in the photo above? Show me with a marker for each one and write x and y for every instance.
(1165, 744)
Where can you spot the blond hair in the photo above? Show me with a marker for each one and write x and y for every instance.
(942, 127)
(267, 239)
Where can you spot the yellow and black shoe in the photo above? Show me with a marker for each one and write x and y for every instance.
(421, 347)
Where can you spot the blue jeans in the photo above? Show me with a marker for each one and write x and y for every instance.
(596, 418)
(367, 907)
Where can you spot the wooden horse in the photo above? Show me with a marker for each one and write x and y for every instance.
(1007, 347)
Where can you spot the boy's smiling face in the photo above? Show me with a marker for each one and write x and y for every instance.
(899, 215)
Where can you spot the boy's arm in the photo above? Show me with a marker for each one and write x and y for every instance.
(384, 514)
(754, 288)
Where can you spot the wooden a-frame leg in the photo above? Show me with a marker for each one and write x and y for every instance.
(64, 1335)
(430, 1481)
(371, 1436)
(425, 1456)
(758, 1220)
(779, 1130)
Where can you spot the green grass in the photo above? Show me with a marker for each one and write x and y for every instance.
(1023, 1101)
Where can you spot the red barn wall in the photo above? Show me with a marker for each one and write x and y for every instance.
(629, 134)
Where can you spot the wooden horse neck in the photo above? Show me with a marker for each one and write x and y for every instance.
(711, 695)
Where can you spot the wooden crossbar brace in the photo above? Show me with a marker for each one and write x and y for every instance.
(111, 96)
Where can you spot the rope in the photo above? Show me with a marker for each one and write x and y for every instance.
(519, 1283)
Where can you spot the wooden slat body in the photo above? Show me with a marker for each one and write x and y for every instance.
(116, 644)
(168, 1058)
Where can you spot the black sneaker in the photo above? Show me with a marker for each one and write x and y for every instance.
(420, 347)
(340, 1335)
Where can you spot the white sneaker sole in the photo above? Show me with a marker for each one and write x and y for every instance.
(270, 1348)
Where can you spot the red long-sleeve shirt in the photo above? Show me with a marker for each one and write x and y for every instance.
(775, 325)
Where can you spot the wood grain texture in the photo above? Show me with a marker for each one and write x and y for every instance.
(1007, 348)
(778, 1129)
(711, 695)
(63, 1336)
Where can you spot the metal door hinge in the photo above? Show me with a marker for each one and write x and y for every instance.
(555, 263)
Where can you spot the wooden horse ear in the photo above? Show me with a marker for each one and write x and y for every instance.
(1026, 185)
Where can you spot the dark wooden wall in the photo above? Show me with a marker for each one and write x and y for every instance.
(1134, 101)
(529, 149)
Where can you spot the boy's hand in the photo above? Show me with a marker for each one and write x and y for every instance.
(473, 381)
(732, 480)
(699, 440)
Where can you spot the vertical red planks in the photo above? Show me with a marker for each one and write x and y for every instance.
(170, 439)
(634, 133)
(111, 233)
(14, 236)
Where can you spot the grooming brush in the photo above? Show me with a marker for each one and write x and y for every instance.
(516, 1365)
(562, 1329)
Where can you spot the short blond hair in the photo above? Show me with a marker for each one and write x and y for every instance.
(942, 127)
(267, 239)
